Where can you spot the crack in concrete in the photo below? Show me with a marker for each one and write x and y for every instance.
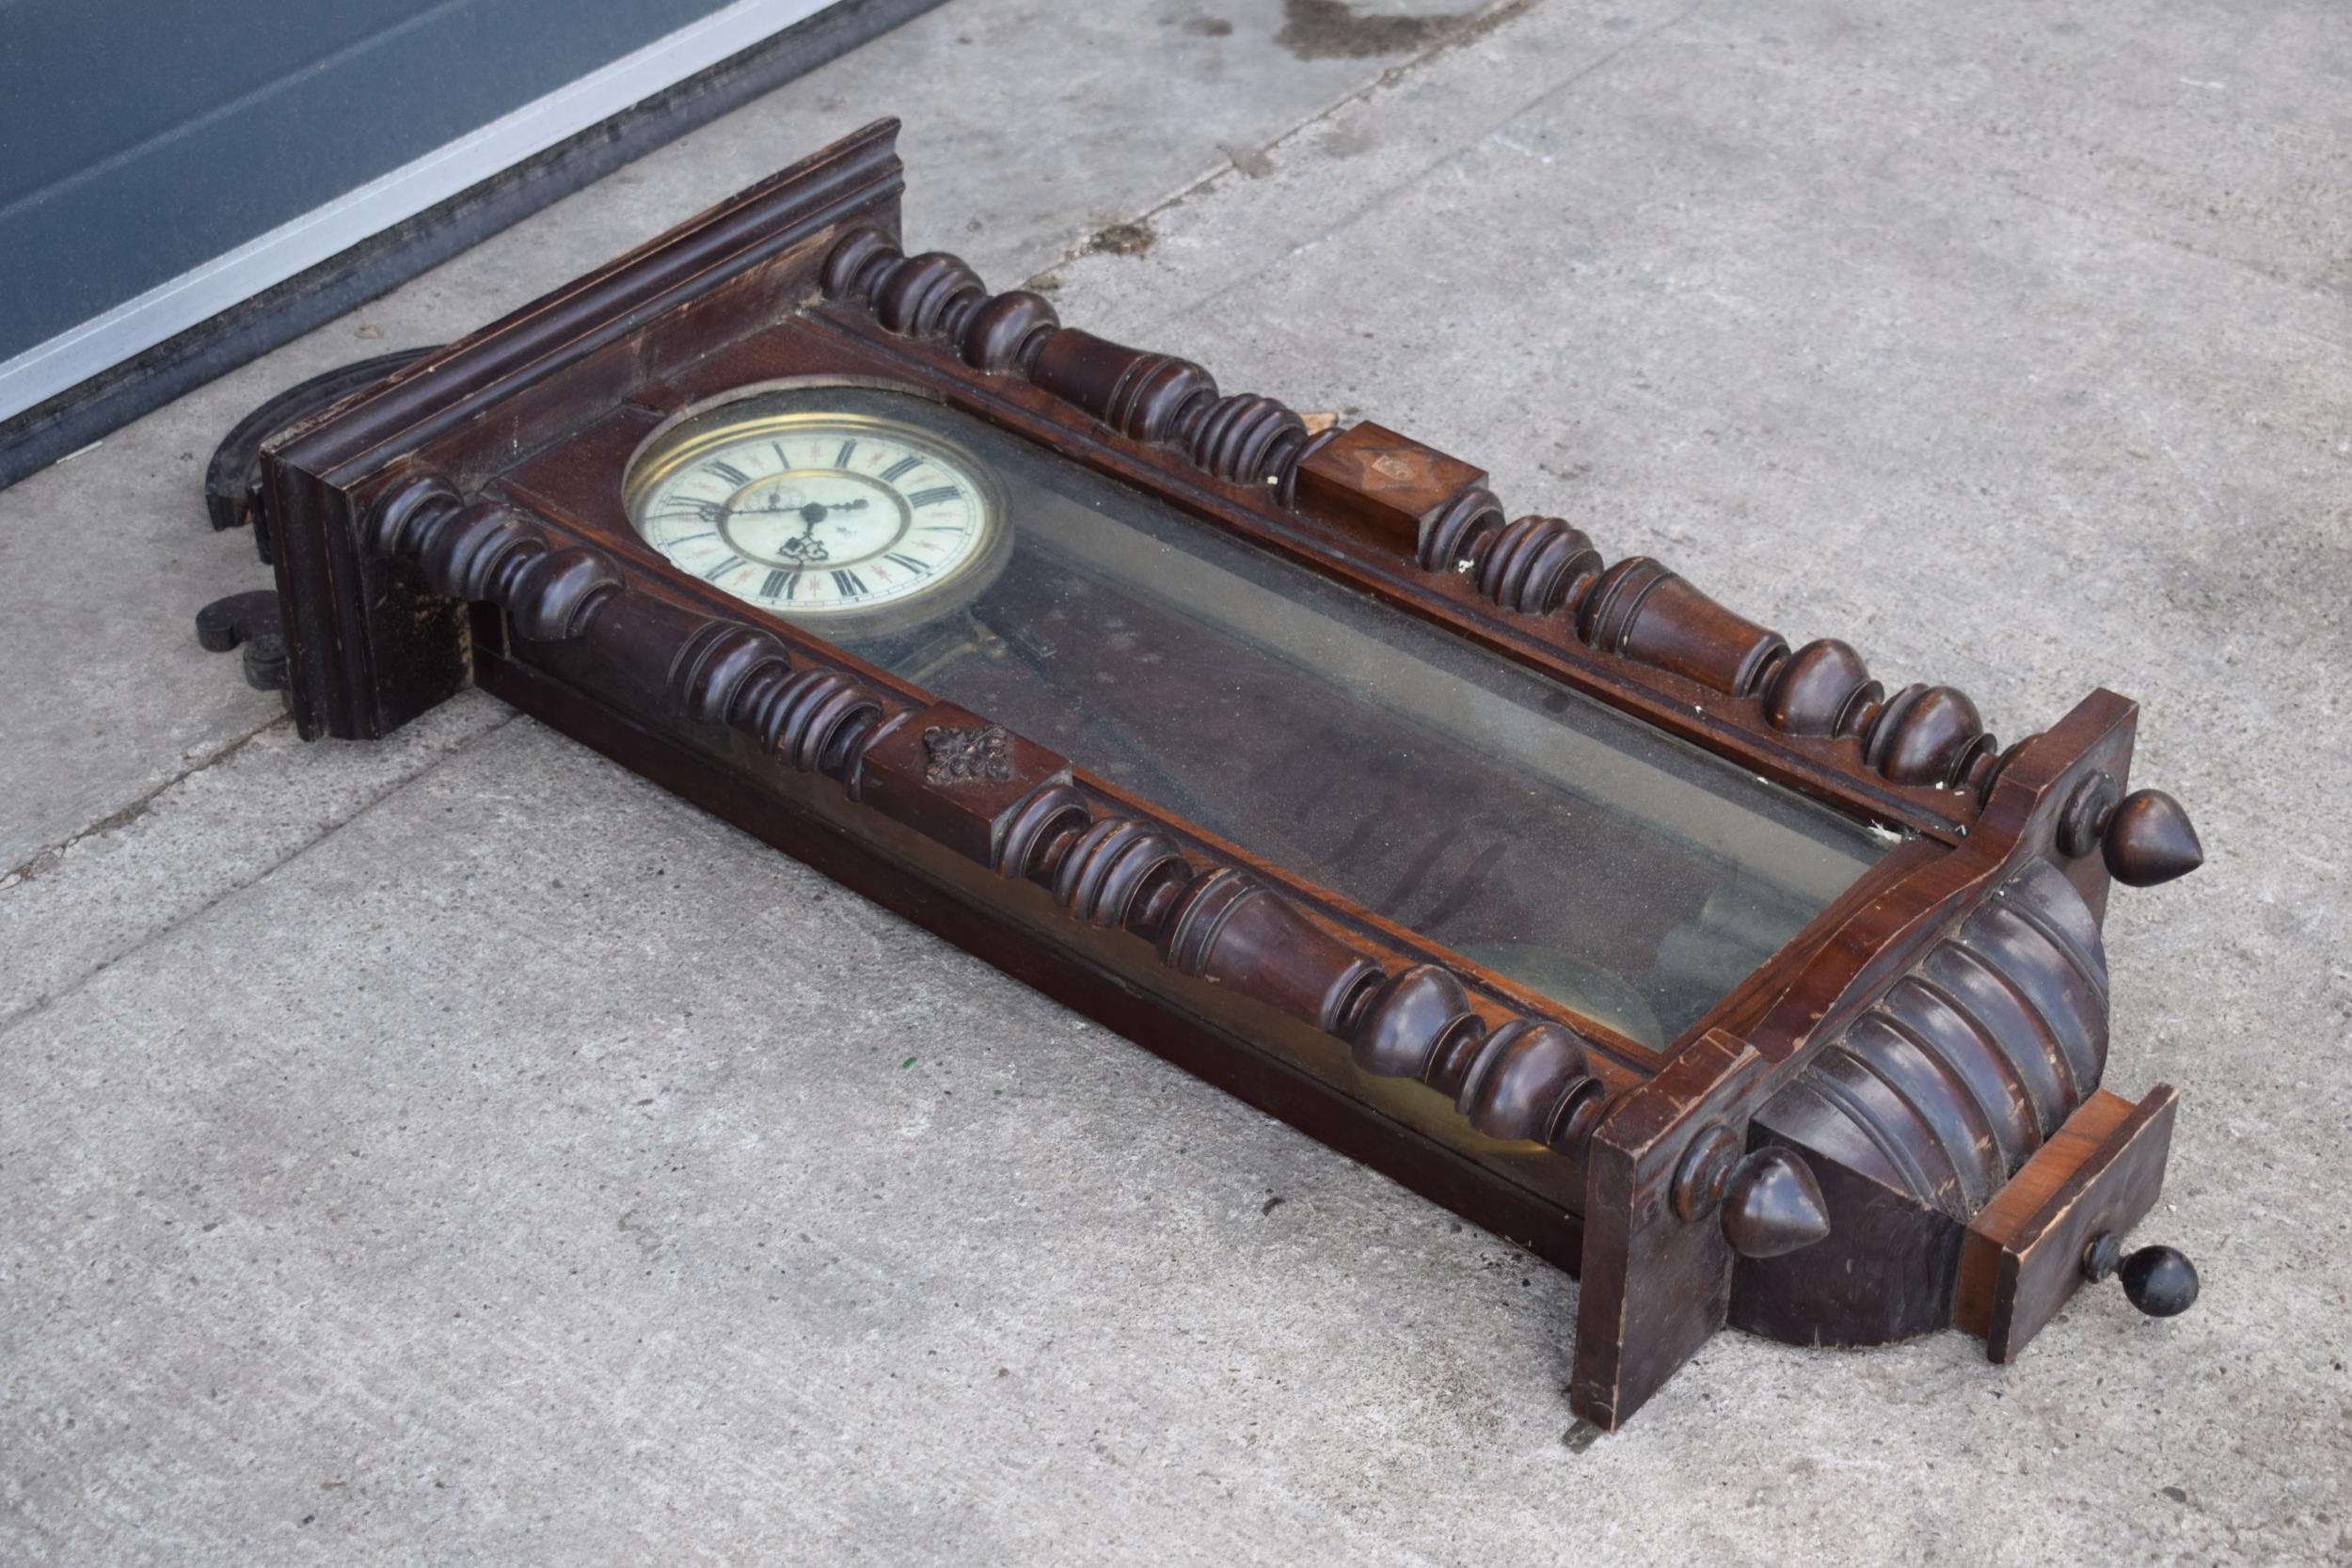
(1395, 188)
(1254, 164)
(42, 1003)
(49, 858)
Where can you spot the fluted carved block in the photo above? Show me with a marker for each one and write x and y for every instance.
(712, 665)
(810, 718)
(1120, 873)
(486, 552)
(1536, 565)
(1243, 439)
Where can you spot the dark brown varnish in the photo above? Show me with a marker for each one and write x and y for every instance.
(1896, 1122)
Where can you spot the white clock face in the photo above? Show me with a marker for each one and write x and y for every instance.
(817, 514)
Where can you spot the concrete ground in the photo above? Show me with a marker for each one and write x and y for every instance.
(401, 1162)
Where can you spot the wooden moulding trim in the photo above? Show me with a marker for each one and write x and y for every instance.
(860, 174)
(1000, 800)
(2022, 1258)
(1384, 496)
(324, 468)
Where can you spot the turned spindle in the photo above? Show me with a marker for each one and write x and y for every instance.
(1144, 396)
(1394, 493)
(1520, 1081)
(707, 670)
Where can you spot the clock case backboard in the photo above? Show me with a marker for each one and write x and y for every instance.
(1917, 1071)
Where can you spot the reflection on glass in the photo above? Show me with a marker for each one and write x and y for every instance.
(1534, 830)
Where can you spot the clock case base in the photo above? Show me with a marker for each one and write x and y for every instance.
(458, 523)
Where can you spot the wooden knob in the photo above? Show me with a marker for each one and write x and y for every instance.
(1767, 1203)
(1773, 1205)
(2159, 1281)
(2147, 840)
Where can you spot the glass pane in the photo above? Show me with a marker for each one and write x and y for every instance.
(1532, 829)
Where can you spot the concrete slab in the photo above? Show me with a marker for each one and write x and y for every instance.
(2009, 346)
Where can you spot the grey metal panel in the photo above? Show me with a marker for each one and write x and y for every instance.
(192, 348)
(141, 137)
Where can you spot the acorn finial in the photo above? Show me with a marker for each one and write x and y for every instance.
(1772, 1205)
(2149, 840)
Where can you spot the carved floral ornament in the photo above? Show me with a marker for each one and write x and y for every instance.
(967, 756)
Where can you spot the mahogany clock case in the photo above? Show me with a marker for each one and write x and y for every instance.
(1705, 967)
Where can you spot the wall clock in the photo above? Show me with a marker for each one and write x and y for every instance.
(1696, 962)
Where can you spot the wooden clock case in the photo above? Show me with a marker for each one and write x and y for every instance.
(1893, 1126)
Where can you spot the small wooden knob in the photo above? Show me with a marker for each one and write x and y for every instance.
(2147, 840)
(2159, 1281)
(1767, 1204)
(1773, 1205)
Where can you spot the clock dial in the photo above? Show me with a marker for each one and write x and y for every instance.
(860, 522)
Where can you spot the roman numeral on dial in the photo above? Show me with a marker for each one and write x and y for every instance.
(729, 472)
(729, 564)
(841, 458)
(899, 470)
(907, 562)
(849, 584)
(780, 581)
(934, 496)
